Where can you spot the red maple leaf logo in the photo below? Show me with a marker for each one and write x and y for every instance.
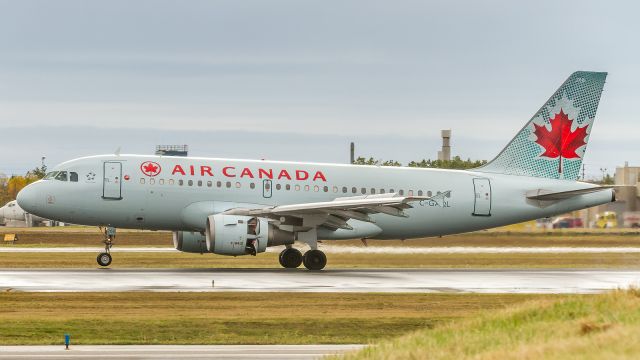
(150, 168)
(560, 142)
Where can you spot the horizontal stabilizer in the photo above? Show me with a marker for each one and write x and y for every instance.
(547, 195)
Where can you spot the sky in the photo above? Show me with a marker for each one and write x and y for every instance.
(299, 80)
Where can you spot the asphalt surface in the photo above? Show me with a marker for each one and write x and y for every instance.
(300, 280)
(235, 352)
(336, 249)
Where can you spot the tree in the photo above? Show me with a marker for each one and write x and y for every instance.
(38, 172)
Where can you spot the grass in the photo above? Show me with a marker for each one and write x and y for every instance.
(232, 318)
(605, 326)
(335, 260)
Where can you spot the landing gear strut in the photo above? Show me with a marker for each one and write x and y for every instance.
(290, 258)
(314, 260)
(104, 259)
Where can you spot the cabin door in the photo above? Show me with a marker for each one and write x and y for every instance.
(482, 204)
(112, 181)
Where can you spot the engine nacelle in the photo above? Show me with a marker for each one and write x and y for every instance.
(191, 242)
(237, 235)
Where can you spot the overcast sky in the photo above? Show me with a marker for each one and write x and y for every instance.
(298, 80)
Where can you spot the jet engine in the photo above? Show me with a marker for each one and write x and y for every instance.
(191, 242)
(240, 235)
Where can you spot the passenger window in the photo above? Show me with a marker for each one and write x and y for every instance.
(381, 191)
(316, 188)
(219, 184)
(420, 192)
(190, 182)
(391, 191)
(228, 184)
(73, 176)
(344, 189)
(152, 181)
(278, 186)
(199, 182)
(180, 182)
(306, 188)
(171, 182)
(354, 190)
(287, 187)
(141, 180)
(429, 193)
(335, 189)
(410, 192)
(238, 185)
(161, 181)
(252, 185)
(62, 176)
(209, 183)
(401, 192)
(363, 190)
(297, 187)
(373, 191)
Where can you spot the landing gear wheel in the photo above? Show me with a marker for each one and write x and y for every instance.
(104, 259)
(314, 260)
(290, 258)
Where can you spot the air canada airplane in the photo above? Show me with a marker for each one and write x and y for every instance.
(241, 207)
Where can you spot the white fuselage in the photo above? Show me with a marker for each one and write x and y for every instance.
(125, 192)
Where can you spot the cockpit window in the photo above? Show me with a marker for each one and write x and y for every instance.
(51, 175)
(73, 176)
(61, 176)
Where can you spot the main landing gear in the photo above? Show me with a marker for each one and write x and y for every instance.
(291, 258)
(104, 259)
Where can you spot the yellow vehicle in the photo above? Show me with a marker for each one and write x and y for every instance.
(606, 220)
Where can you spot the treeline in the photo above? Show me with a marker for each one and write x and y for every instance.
(11, 186)
(455, 163)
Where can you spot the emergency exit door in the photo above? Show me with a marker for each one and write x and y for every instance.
(266, 188)
(482, 204)
(112, 180)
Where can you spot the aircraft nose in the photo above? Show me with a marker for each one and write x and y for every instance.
(28, 199)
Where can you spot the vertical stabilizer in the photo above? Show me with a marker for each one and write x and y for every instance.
(552, 144)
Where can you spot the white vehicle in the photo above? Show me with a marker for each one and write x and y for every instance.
(240, 207)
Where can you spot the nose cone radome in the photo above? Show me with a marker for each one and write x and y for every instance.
(28, 199)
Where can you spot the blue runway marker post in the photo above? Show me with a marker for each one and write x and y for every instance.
(66, 341)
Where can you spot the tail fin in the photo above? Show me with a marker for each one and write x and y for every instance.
(552, 144)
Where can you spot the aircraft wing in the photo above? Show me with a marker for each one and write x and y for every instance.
(335, 214)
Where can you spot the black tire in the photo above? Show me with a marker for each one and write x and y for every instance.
(104, 259)
(314, 260)
(290, 258)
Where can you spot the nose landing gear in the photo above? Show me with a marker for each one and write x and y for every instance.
(104, 258)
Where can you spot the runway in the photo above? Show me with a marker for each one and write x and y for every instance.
(299, 280)
(235, 352)
(337, 249)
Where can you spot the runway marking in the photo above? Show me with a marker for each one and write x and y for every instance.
(175, 351)
(298, 280)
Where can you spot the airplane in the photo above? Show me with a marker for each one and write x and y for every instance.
(241, 207)
(11, 212)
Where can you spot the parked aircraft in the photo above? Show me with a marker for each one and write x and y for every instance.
(12, 212)
(240, 207)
